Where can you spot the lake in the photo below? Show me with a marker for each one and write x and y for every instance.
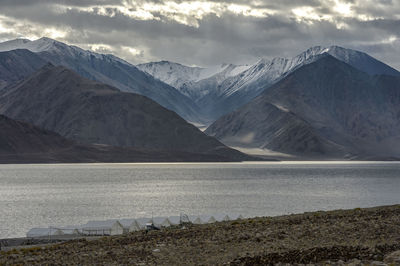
(59, 195)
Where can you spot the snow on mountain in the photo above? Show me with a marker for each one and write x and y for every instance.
(325, 107)
(184, 77)
(45, 44)
(224, 88)
(362, 61)
(13, 44)
(224, 79)
(110, 70)
(267, 72)
(206, 92)
(171, 73)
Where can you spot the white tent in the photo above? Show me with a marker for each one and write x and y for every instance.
(161, 222)
(135, 226)
(235, 217)
(75, 231)
(70, 229)
(130, 225)
(175, 220)
(126, 224)
(183, 218)
(198, 220)
(222, 217)
(39, 232)
(226, 218)
(192, 218)
(207, 219)
(211, 220)
(142, 222)
(107, 227)
(117, 227)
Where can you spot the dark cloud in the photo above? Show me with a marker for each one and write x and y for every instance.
(27, 3)
(232, 31)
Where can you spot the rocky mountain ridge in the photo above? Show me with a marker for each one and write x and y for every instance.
(58, 99)
(326, 107)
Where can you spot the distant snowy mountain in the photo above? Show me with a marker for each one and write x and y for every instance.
(272, 70)
(325, 108)
(199, 94)
(16, 65)
(222, 89)
(57, 99)
(111, 70)
(13, 44)
(184, 78)
(45, 44)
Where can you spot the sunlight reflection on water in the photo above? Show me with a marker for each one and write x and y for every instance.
(43, 195)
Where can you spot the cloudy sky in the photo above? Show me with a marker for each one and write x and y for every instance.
(208, 32)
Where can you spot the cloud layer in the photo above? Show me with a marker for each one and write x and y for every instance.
(208, 32)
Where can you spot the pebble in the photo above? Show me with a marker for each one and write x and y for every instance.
(378, 263)
(393, 258)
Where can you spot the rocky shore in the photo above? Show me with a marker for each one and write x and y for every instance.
(342, 237)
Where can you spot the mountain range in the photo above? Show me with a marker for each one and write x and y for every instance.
(326, 107)
(106, 69)
(58, 99)
(326, 102)
(220, 90)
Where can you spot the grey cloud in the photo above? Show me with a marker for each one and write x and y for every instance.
(228, 38)
(29, 3)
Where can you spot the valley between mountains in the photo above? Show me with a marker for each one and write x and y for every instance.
(60, 103)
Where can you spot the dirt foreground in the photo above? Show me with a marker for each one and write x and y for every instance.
(343, 237)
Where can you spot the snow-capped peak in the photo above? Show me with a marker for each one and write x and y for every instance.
(46, 44)
(281, 66)
(177, 75)
(13, 44)
(39, 45)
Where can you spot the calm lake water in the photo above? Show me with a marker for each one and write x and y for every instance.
(43, 195)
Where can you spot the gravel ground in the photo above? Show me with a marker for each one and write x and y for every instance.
(343, 237)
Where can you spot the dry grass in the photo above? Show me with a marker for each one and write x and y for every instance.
(365, 234)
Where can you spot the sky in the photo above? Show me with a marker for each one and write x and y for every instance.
(208, 32)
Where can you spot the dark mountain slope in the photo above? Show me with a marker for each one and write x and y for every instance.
(16, 65)
(342, 105)
(18, 137)
(59, 100)
(113, 71)
(107, 69)
(270, 127)
(338, 99)
(24, 143)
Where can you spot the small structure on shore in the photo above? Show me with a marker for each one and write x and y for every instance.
(222, 218)
(161, 222)
(142, 222)
(123, 226)
(202, 219)
(39, 232)
(70, 229)
(103, 228)
(175, 220)
(130, 225)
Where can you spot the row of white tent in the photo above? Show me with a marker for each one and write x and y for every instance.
(122, 226)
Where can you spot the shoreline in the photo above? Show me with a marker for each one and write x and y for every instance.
(277, 162)
(362, 235)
